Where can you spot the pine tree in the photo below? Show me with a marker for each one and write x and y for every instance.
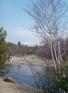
(3, 48)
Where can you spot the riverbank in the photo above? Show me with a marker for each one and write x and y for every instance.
(27, 59)
(6, 87)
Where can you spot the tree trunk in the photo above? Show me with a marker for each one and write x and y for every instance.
(56, 56)
(52, 54)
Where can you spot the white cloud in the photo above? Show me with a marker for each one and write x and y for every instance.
(65, 33)
(24, 35)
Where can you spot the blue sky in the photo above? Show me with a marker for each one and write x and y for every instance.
(15, 20)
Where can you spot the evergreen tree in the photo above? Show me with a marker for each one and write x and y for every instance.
(3, 48)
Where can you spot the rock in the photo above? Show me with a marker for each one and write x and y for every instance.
(9, 79)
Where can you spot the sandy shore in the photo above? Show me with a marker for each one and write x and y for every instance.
(6, 87)
(28, 59)
(16, 88)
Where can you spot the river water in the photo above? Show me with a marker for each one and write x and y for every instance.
(31, 75)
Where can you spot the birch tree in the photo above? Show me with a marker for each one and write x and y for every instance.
(49, 18)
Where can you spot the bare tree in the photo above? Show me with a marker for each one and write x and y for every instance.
(48, 16)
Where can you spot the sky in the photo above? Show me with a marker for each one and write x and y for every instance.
(16, 21)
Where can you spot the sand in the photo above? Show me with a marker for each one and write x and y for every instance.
(6, 87)
(28, 59)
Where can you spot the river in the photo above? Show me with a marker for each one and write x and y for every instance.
(32, 75)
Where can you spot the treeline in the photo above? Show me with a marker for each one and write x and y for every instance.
(44, 51)
(20, 50)
(11, 49)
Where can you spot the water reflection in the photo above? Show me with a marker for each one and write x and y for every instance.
(26, 74)
(3, 70)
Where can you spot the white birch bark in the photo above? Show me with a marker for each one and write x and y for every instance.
(53, 56)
